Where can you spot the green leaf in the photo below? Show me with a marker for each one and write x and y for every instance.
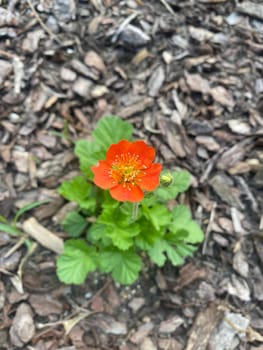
(124, 265)
(89, 153)
(148, 235)
(119, 227)
(74, 224)
(182, 221)
(111, 129)
(78, 190)
(173, 255)
(180, 183)
(122, 237)
(157, 252)
(161, 250)
(10, 229)
(158, 215)
(28, 207)
(97, 233)
(76, 262)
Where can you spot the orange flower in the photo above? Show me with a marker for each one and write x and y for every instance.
(128, 171)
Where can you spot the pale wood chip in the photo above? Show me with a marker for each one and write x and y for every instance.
(45, 237)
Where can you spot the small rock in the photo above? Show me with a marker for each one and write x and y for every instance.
(82, 87)
(67, 74)
(239, 127)
(136, 303)
(92, 59)
(23, 328)
(170, 325)
(208, 142)
(21, 160)
(99, 91)
(143, 331)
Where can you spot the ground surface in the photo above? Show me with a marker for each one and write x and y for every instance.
(188, 76)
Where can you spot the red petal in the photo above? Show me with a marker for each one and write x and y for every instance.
(146, 153)
(116, 149)
(101, 175)
(151, 179)
(127, 194)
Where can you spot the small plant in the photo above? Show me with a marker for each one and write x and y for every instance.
(122, 198)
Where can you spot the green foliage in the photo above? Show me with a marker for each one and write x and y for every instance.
(80, 191)
(110, 129)
(124, 265)
(179, 183)
(74, 224)
(111, 240)
(76, 261)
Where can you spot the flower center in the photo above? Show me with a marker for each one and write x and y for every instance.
(126, 169)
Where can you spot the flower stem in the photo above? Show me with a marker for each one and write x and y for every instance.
(135, 211)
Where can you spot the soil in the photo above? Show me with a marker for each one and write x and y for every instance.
(188, 75)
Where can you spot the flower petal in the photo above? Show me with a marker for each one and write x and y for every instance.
(101, 175)
(146, 153)
(127, 194)
(151, 178)
(116, 149)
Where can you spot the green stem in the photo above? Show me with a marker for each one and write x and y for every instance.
(135, 211)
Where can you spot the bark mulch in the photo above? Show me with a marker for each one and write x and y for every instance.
(188, 75)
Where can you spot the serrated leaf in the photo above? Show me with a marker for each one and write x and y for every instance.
(75, 262)
(148, 235)
(124, 265)
(158, 215)
(180, 183)
(119, 227)
(157, 252)
(97, 233)
(173, 255)
(122, 236)
(74, 224)
(89, 153)
(78, 190)
(111, 129)
(182, 220)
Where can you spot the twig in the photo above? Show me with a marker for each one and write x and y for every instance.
(209, 227)
(167, 6)
(46, 29)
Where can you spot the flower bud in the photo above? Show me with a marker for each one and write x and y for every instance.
(166, 179)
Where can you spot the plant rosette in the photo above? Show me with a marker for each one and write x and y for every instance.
(122, 197)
